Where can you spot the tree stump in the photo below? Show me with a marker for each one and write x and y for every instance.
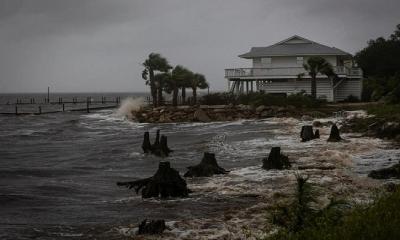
(316, 134)
(334, 136)
(206, 168)
(276, 160)
(146, 145)
(165, 183)
(157, 140)
(151, 227)
(307, 133)
(159, 148)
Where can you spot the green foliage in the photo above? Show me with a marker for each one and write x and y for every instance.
(380, 61)
(375, 221)
(386, 88)
(259, 98)
(381, 57)
(218, 99)
(390, 112)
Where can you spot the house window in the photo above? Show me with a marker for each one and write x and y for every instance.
(300, 61)
(266, 61)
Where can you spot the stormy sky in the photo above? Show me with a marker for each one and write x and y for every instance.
(99, 45)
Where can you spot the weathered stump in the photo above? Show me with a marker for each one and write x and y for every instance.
(386, 173)
(276, 160)
(334, 136)
(316, 134)
(165, 183)
(307, 133)
(157, 140)
(206, 168)
(146, 145)
(151, 227)
(159, 148)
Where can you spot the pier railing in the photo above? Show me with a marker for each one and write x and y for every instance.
(284, 71)
(35, 106)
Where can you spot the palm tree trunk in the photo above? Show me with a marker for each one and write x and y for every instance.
(194, 96)
(153, 89)
(314, 87)
(175, 97)
(183, 95)
(160, 101)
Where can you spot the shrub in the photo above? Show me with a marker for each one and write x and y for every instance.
(375, 221)
(218, 99)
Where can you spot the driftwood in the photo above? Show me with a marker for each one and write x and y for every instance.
(307, 133)
(206, 168)
(386, 173)
(159, 148)
(276, 160)
(334, 136)
(165, 183)
(151, 227)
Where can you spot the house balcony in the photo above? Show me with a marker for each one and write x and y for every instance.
(285, 72)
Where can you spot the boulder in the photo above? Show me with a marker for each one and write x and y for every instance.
(151, 227)
(201, 115)
(386, 173)
(260, 108)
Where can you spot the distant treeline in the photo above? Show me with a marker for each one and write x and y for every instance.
(380, 61)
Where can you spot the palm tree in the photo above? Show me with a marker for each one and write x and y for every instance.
(154, 63)
(178, 76)
(314, 66)
(197, 81)
(161, 80)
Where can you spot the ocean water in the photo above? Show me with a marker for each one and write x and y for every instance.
(58, 172)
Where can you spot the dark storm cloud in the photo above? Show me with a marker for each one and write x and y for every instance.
(98, 45)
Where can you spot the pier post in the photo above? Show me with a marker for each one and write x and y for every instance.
(16, 110)
(87, 105)
(63, 107)
(40, 110)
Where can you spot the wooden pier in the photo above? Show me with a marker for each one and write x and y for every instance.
(19, 107)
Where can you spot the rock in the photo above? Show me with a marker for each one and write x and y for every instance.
(317, 124)
(165, 119)
(201, 115)
(306, 118)
(206, 168)
(260, 108)
(386, 173)
(276, 160)
(151, 227)
(334, 136)
(165, 183)
(307, 133)
(267, 113)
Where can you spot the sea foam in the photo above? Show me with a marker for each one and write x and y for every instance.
(129, 105)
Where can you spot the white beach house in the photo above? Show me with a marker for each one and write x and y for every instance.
(275, 69)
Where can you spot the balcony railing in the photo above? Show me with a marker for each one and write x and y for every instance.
(284, 71)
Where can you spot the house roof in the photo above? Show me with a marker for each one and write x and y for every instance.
(294, 46)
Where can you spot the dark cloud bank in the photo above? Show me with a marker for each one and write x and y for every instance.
(86, 45)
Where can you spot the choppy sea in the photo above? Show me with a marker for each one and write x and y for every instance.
(58, 172)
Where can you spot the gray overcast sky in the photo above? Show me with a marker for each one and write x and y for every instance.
(99, 45)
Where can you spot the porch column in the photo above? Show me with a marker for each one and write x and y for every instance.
(251, 85)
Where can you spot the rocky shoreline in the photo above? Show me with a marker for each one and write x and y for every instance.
(211, 113)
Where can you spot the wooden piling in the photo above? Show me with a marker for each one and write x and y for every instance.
(40, 110)
(16, 110)
(87, 105)
(63, 107)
